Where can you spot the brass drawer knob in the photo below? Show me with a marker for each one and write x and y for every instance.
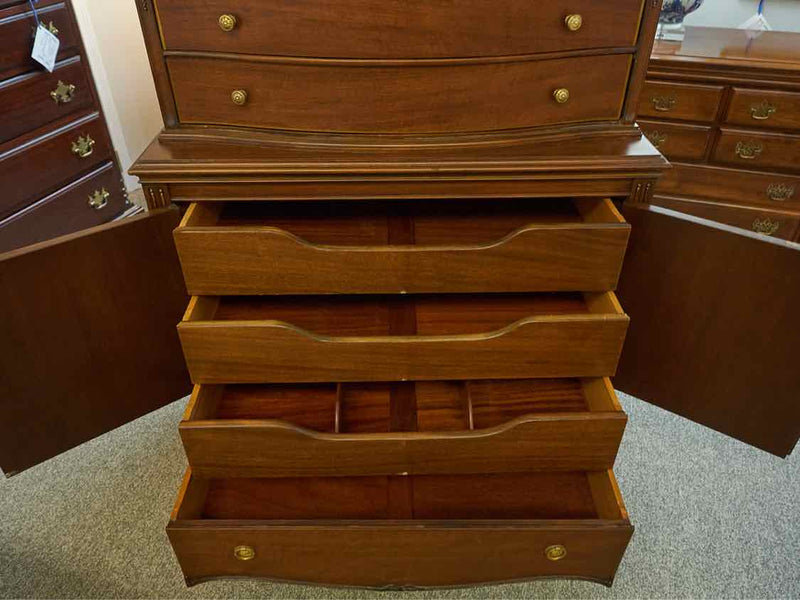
(766, 226)
(63, 93)
(763, 111)
(780, 192)
(664, 103)
(574, 22)
(561, 95)
(244, 553)
(83, 146)
(656, 138)
(227, 22)
(239, 97)
(749, 150)
(555, 553)
(99, 199)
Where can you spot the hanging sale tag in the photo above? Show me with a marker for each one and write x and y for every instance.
(45, 48)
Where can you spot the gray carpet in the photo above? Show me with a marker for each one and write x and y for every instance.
(714, 519)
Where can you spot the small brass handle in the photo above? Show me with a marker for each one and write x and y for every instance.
(780, 192)
(555, 553)
(749, 150)
(561, 95)
(574, 22)
(83, 146)
(227, 22)
(99, 199)
(763, 111)
(239, 97)
(656, 138)
(63, 92)
(244, 553)
(50, 27)
(663, 103)
(766, 226)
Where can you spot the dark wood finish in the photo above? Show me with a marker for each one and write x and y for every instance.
(416, 29)
(417, 551)
(408, 98)
(679, 140)
(292, 430)
(725, 328)
(66, 210)
(678, 101)
(17, 26)
(347, 339)
(86, 343)
(747, 109)
(454, 247)
(772, 150)
(23, 169)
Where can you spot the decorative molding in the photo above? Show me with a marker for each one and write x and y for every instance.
(156, 196)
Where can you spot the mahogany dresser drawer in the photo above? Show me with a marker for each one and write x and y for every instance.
(410, 98)
(680, 101)
(93, 199)
(783, 225)
(17, 26)
(758, 150)
(284, 339)
(676, 141)
(37, 98)
(393, 247)
(764, 108)
(23, 164)
(414, 531)
(735, 186)
(386, 30)
(329, 429)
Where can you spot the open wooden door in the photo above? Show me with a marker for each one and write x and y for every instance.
(87, 335)
(715, 325)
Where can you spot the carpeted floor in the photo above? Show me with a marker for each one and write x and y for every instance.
(714, 519)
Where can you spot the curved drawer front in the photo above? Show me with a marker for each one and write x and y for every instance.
(453, 246)
(349, 338)
(395, 29)
(406, 98)
(402, 531)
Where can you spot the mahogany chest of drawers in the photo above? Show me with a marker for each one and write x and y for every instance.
(57, 167)
(724, 107)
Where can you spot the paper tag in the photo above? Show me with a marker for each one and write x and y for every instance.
(45, 48)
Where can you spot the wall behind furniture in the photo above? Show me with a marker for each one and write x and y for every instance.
(115, 47)
(783, 15)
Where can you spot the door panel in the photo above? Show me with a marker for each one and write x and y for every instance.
(715, 326)
(87, 335)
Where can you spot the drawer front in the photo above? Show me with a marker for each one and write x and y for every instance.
(22, 167)
(764, 108)
(680, 101)
(582, 254)
(28, 101)
(780, 225)
(454, 427)
(92, 200)
(752, 150)
(17, 26)
(678, 142)
(776, 191)
(410, 29)
(412, 99)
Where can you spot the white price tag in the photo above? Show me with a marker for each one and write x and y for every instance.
(45, 48)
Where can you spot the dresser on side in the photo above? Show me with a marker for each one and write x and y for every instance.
(58, 170)
(724, 107)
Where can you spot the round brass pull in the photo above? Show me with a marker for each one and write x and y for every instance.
(555, 553)
(63, 93)
(574, 22)
(561, 95)
(83, 146)
(99, 199)
(227, 22)
(239, 97)
(244, 553)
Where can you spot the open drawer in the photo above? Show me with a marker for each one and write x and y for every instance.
(500, 245)
(286, 339)
(414, 531)
(303, 430)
